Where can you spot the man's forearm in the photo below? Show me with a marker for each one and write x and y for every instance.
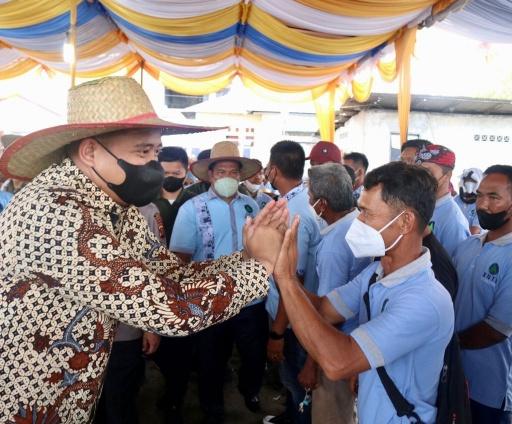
(330, 348)
(480, 336)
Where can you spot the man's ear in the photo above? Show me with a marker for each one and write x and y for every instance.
(86, 151)
(409, 223)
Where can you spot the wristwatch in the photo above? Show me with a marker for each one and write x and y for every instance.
(275, 336)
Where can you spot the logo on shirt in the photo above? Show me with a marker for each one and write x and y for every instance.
(249, 209)
(494, 269)
(491, 274)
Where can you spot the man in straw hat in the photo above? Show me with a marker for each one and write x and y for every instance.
(77, 256)
(207, 227)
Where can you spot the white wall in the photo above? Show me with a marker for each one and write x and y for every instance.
(370, 132)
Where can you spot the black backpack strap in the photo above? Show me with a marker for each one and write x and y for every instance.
(402, 406)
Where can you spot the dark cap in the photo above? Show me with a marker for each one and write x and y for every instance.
(323, 152)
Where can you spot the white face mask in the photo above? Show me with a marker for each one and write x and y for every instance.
(253, 188)
(470, 187)
(366, 241)
(314, 211)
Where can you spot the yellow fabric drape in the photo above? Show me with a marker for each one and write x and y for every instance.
(296, 70)
(404, 50)
(184, 61)
(21, 13)
(387, 70)
(368, 8)
(129, 61)
(362, 90)
(324, 107)
(282, 97)
(309, 42)
(193, 87)
(91, 49)
(197, 25)
(18, 68)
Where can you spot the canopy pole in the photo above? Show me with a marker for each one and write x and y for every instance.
(404, 49)
(72, 39)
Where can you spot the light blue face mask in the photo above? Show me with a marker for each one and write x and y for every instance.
(226, 187)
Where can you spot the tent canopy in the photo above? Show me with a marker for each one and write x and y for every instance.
(325, 50)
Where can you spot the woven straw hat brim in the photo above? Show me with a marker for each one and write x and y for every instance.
(29, 155)
(249, 167)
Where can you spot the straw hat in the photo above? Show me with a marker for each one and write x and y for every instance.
(95, 107)
(222, 151)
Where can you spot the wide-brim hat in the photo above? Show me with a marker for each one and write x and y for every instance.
(225, 151)
(96, 107)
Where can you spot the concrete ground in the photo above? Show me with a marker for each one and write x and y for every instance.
(272, 399)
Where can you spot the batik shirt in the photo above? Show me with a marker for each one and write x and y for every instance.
(72, 264)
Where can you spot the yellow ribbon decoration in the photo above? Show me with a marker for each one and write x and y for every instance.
(197, 25)
(387, 70)
(309, 42)
(368, 8)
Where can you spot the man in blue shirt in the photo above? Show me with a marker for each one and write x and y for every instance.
(330, 193)
(284, 171)
(209, 226)
(483, 304)
(359, 163)
(466, 199)
(448, 223)
(411, 318)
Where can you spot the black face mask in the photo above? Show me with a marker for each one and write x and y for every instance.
(492, 221)
(465, 197)
(173, 184)
(142, 183)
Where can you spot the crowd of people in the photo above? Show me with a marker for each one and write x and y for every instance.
(356, 283)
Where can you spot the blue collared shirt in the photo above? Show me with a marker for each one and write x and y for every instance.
(307, 243)
(485, 294)
(5, 198)
(335, 262)
(469, 211)
(411, 325)
(449, 224)
(227, 221)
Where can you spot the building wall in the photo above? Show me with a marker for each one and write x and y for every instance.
(371, 132)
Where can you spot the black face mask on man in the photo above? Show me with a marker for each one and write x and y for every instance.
(492, 221)
(142, 183)
(173, 184)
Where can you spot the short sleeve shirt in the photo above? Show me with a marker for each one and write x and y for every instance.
(449, 224)
(308, 239)
(469, 211)
(485, 294)
(410, 327)
(227, 222)
(335, 262)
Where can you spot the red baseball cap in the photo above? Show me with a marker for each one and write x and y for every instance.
(323, 152)
(436, 154)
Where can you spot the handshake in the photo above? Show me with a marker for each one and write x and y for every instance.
(264, 235)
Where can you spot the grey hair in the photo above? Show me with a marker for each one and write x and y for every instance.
(331, 182)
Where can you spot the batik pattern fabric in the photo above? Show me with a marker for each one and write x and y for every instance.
(72, 264)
